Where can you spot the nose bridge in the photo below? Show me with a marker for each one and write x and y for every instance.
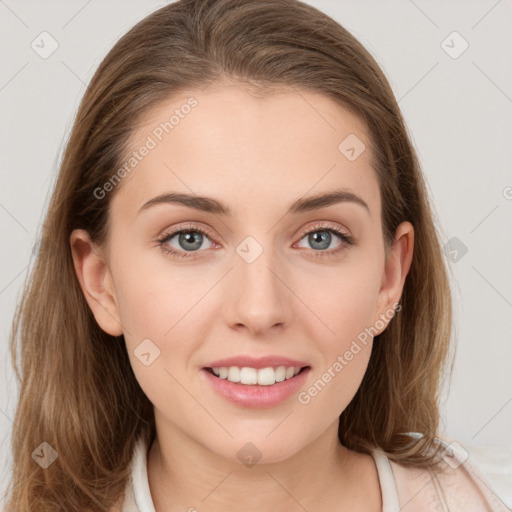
(259, 300)
(254, 262)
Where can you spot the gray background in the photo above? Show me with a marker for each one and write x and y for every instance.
(458, 111)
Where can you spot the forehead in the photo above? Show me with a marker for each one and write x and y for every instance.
(227, 142)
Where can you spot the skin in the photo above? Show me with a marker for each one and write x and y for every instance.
(257, 155)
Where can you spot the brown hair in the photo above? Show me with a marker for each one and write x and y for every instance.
(77, 389)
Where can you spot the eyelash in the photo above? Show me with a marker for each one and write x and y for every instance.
(346, 240)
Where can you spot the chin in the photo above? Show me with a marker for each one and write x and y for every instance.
(259, 449)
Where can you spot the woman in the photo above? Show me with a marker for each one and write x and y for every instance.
(240, 299)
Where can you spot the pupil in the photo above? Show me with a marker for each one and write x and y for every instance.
(191, 237)
(323, 236)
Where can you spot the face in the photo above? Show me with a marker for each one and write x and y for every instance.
(267, 285)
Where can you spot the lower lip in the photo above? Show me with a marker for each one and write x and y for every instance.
(255, 396)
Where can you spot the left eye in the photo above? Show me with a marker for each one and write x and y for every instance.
(320, 239)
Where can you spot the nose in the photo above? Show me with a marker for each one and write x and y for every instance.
(257, 297)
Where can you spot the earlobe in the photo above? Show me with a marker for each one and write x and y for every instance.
(96, 282)
(396, 268)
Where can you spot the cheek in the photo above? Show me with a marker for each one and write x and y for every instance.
(341, 299)
(344, 302)
(161, 314)
(341, 366)
(154, 294)
(164, 329)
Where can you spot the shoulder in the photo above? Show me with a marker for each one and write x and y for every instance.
(455, 485)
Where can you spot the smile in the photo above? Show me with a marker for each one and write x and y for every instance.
(253, 376)
(250, 382)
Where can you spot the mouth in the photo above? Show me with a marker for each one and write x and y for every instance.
(249, 376)
(262, 387)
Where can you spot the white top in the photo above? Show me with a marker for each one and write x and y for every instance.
(467, 492)
(138, 495)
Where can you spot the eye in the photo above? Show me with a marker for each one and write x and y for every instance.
(188, 241)
(321, 237)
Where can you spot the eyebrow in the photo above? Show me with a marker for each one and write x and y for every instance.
(211, 205)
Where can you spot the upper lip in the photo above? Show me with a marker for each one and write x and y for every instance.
(256, 362)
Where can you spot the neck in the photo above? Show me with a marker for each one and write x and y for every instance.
(324, 475)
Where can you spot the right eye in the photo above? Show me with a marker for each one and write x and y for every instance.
(187, 241)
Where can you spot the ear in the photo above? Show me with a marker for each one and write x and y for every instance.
(396, 267)
(96, 281)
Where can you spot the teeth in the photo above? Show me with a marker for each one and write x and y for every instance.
(233, 374)
(280, 373)
(250, 376)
